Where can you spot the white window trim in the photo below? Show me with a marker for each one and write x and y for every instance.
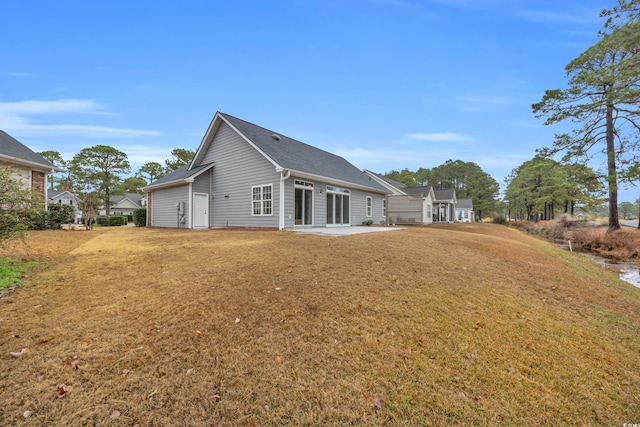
(384, 207)
(262, 200)
(369, 206)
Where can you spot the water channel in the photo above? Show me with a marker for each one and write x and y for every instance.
(627, 271)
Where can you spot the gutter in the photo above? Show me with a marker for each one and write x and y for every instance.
(283, 178)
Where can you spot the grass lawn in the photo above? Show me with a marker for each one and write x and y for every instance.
(11, 272)
(463, 324)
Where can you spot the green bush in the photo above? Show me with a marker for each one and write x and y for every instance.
(50, 219)
(140, 217)
(117, 220)
(129, 217)
(102, 221)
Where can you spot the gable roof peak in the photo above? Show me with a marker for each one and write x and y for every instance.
(288, 153)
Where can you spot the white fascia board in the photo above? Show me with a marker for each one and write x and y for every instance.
(176, 183)
(333, 181)
(34, 165)
(206, 140)
(392, 188)
(195, 175)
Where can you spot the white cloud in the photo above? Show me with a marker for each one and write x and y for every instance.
(21, 108)
(18, 117)
(439, 137)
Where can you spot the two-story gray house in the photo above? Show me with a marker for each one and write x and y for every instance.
(244, 175)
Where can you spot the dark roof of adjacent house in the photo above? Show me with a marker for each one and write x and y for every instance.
(464, 203)
(417, 190)
(52, 194)
(134, 197)
(292, 154)
(444, 194)
(12, 148)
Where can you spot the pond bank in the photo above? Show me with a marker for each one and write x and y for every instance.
(618, 250)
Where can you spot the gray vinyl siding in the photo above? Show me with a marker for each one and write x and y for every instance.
(163, 206)
(357, 200)
(359, 207)
(202, 183)
(239, 167)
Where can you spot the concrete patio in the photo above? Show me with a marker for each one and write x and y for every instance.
(345, 231)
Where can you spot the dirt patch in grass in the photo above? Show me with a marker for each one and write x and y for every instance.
(446, 325)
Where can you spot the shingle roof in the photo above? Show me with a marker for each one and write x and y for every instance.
(134, 197)
(417, 190)
(398, 185)
(445, 194)
(11, 147)
(464, 203)
(298, 156)
(179, 174)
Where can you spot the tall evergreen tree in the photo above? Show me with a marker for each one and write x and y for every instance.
(98, 169)
(602, 98)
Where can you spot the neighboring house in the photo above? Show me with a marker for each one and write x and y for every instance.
(464, 210)
(444, 205)
(244, 175)
(64, 197)
(406, 205)
(27, 165)
(125, 205)
(428, 197)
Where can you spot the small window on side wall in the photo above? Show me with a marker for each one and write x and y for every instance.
(369, 206)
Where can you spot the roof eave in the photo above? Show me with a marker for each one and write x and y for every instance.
(334, 181)
(34, 165)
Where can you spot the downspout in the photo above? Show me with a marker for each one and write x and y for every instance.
(283, 178)
(190, 200)
(46, 191)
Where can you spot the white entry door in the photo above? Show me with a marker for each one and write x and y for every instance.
(200, 210)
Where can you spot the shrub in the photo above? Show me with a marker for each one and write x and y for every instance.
(50, 219)
(140, 217)
(117, 220)
(500, 219)
(102, 221)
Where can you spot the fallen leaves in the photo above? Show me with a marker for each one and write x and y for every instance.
(20, 353)
(377, 403)
(73, 362)
(62, 390)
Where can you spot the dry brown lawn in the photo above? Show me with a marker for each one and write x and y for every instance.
(444, 325)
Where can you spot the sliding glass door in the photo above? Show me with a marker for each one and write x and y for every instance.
(303, 203)
(338, 206)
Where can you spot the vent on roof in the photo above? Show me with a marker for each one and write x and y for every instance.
(275, 136)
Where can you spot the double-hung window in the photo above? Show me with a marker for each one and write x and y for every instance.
(262, 200)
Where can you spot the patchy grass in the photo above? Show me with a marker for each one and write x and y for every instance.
(11, 272)
(464, 324)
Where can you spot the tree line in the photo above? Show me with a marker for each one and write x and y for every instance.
(97, 173)
(466, 178)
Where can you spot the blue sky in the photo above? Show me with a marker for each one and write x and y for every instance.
(387, 84)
